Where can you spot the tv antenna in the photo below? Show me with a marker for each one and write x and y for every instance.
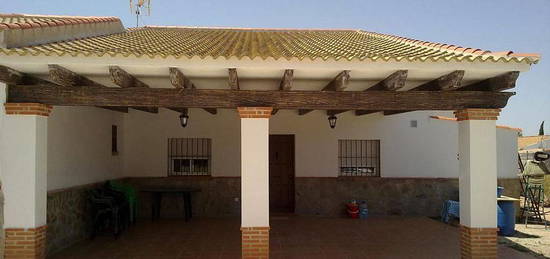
(139, 6)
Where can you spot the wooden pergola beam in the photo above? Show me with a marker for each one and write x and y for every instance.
(338, 84)
(498, 83)
(448, 82)
(233, 79)
(146, 109)
(388, 113)
(335, 112)
(14, 77)
(68, 78)
(115, 108)
(365, 112)
(179, 80)
(286, 84)
(197, 98)
(124, 79)
(393, 82)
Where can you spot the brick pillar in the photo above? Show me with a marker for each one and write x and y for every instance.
(477, 182)
(255, 181)
(23, 148)
(255, 242)
(25, 243)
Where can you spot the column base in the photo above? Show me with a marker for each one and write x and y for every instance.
(255, 242)
(25, 243)
(478, 242)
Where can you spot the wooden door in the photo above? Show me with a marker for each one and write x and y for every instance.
(281, 173)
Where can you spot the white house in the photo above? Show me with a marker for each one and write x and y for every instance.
(87, 100)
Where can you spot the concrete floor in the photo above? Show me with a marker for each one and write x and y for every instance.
(291, 237)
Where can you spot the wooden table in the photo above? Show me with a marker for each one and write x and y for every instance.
(157, 193)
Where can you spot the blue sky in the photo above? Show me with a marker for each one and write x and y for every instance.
(521, 26)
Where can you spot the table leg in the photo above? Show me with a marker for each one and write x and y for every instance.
(187, 206)
(159, 204)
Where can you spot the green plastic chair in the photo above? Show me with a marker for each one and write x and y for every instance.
(130, 193)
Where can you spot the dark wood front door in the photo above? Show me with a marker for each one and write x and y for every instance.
(281, 173)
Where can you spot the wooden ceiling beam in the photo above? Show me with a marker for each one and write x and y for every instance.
(146, 109)
(395, 81)
(335, 112)
(365, 112)
(338, 84)
(448, 82)
(124, 79)
(388, 113)
(233, 80)
(315, 100)
(13, 77)
(286, 84)
(179, 80)
(498, 83)
(68, 78)
(115, 108)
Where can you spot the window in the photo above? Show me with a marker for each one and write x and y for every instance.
(359, 157)
(189, 156)
(114, 140)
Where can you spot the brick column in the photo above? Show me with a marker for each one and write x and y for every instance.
(25, 243)
(255, 181)
(23, 148)
(477, 182)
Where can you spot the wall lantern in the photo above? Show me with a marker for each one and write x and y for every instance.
(332, 121)
(183, 119)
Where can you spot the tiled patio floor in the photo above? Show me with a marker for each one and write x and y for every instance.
(291, 237)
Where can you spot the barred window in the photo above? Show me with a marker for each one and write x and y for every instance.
(359, 157)
(189, 156)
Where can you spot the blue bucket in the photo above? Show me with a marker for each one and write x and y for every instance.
(500, 190)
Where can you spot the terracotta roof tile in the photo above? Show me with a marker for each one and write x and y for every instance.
(454, 119)
(252, 43)
(26, 21)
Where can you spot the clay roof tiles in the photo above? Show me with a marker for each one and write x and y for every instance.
(312, 44)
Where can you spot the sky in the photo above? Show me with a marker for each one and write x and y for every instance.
(496, 25)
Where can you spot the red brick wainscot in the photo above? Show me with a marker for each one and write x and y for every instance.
(25, 243)
(478, 242)
(255, 242)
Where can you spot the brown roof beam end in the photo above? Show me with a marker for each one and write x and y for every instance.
(124, 79)
(68, 78)
(497, 83)
(233, 79)
(286, 84)
(448, 82)
(339, 83)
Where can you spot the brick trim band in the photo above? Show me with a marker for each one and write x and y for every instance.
(477, 114)
(28, 109)
(25, 243)
(255, 112)
(255, 242)
(478, 242)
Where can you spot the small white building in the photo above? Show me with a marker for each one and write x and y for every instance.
(87, 100)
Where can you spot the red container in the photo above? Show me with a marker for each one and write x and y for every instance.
(353, 210)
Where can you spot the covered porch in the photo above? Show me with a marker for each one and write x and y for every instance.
(290, 237)
(72, 121)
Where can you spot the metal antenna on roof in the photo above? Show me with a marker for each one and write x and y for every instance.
(139, 6)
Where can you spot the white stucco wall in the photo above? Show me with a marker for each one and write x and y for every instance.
(430, 150)
(79, 146)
